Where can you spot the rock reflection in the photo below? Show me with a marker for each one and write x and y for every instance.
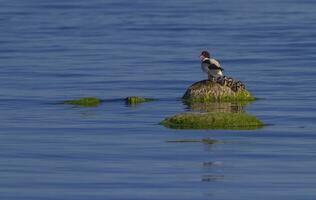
(212, 164)
(226, 107)
(212, 177)
(207, 141)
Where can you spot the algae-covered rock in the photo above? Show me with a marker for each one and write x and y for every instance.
(231, 121)
(86, 102)
(209, 91)
(133, 100)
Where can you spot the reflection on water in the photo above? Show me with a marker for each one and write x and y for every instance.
(212, 177)
(204, 141)
(227, 107)
(212, 164)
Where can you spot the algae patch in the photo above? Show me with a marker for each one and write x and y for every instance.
(85, 102)
(134, 100)
(217, 120)
(242, 96)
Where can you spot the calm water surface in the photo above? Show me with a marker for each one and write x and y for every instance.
(52, 51)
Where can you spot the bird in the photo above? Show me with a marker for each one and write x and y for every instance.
(210, 66)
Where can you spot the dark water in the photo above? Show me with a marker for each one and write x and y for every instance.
(51, 51)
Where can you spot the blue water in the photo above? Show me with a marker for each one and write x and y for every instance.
(52, 51)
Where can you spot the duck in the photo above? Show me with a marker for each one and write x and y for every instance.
(211, 66)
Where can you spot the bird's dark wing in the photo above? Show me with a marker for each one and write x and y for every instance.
(213, 66)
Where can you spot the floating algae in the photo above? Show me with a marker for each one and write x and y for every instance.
(85, 102)
(134, 100)
(230, 121)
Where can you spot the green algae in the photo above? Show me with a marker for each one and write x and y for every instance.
(204, 141)
(134, 100)
(241, 96)
(85, 102)
(229, 121)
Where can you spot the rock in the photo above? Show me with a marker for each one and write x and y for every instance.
(231, 121)
(133, 100)
(209, 91)
(86, 102)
